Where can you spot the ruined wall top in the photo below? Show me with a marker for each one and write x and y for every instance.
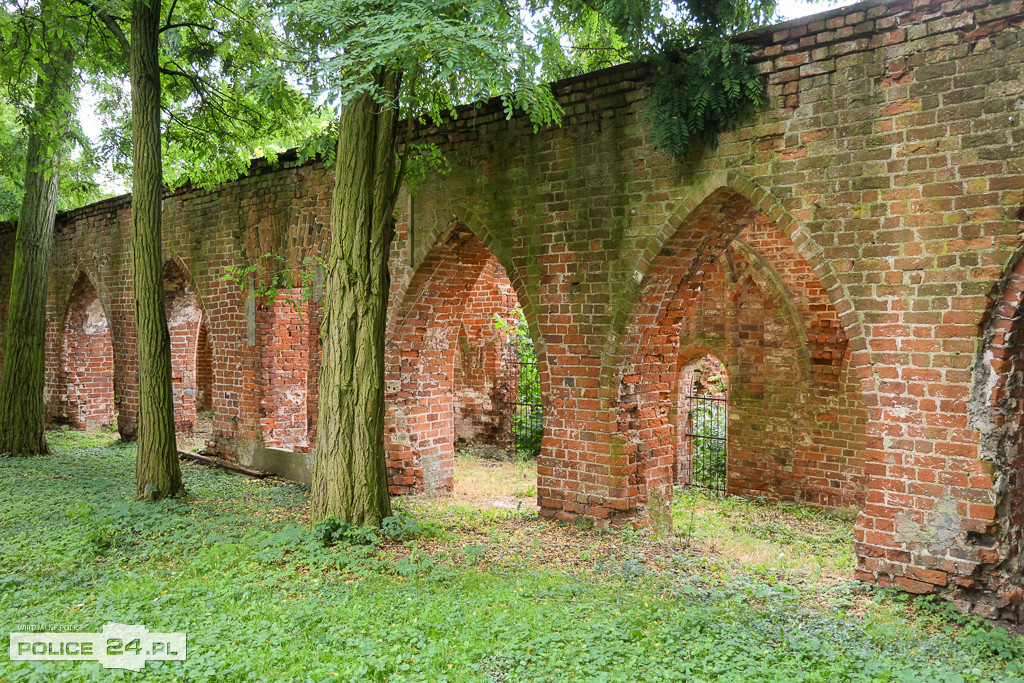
(785, 52)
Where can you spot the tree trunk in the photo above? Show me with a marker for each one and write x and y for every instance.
(157, 472)
(350, 473)
(21, 385)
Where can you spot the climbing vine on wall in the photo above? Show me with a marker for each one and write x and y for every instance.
(701, 92)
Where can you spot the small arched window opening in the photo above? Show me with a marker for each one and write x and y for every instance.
(704, 425)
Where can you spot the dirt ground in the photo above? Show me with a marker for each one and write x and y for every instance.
(486, 481)
(201, 434)
(494, 505)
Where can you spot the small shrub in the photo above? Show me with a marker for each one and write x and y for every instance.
(333, 530)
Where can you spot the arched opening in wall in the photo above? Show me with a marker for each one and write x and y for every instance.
(204, 372)
(184, 321)
(202, 431)
(728, 279)
(87, 361)
(463, 381)
(703, 424)
(996, 411)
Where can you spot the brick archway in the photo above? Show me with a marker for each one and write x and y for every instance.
(740, 186)
(184, 320)
(730, 280)
(686, 385)
(86, 372)
(996, 411)
(423, 351)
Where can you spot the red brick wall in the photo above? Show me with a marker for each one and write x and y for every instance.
(283, 338)
(313, 371)
(731, 283)
(204, 370)
(184, 318)
(455, 290)
(86, 375)
(888, 159)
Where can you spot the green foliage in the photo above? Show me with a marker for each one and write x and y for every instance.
(226, 95)
(24, 59)
(449, 52)
(403, 526)
(261, 599)
(332, 530)
(699, 93)
(271, 279)
(784, 537)
(13, 148)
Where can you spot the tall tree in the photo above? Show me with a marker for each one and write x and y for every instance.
(48, 121)
(387, 61)
(207, 71)
(157, 473)
(218, 60)
(78, 185)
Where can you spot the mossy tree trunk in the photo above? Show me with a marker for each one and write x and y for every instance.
(350, 474)
(157, 472)
(24, 373)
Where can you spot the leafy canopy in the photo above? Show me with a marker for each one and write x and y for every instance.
(462, 51)
(225, 95)
(25, 56)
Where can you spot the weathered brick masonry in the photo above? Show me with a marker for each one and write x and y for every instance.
(852, 255)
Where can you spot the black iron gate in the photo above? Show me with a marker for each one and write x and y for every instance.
(523, 401)
(705, 443)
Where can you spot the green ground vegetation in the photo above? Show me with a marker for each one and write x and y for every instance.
(450, 593)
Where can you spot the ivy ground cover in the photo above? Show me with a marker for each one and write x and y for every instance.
(446, 593)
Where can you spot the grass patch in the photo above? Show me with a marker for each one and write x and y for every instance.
(468, 595)
(487, 479)
(784, 539)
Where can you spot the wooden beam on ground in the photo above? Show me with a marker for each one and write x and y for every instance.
(224, 464)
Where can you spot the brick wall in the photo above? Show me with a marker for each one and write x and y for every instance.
(283, 339)
(888, 160)
(452, 296)
(204, 370)
(184, 319)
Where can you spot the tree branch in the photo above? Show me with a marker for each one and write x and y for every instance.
(111, 23)
(170, 13)
(168, 27)
(404, 162)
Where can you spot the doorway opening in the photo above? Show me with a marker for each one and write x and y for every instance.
(704, 425)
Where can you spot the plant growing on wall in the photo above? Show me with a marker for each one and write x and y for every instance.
(703, 83)
(272, 279)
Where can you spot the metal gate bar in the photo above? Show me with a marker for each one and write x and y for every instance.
(706, 443)
(526, 418)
